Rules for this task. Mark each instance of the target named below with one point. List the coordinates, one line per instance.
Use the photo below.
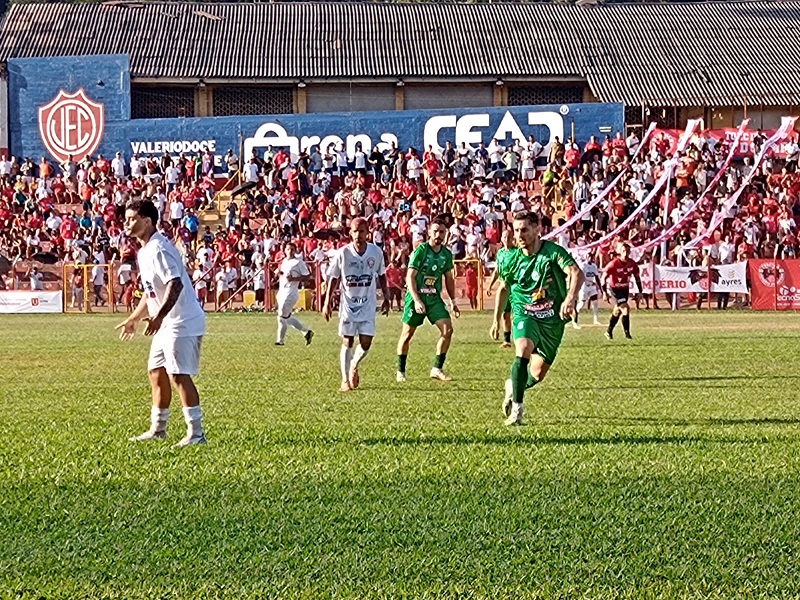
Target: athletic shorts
(587, 293)
(546, 337)
(620, 294)
(356, 328)
(286, 302)
(177, 355)
(434, 311)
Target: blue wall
(35, 82)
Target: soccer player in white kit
(360, 267)
(176, 322)
(292, 272)
(590, 292)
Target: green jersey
(538, 283)
(502, 256)
(431, 267)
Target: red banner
(774, 284)
(670, 139)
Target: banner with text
(722, 278)
(775, 284)
(31, 302)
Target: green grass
(674, 477)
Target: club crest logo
(34, 302)
(771, 274)
(71, 124)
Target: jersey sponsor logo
(71, 124)
(429, 285)
(358, 280)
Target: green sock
(401, 362)
(507, 337)
(519, 377)
(531, 382)
(439, 362)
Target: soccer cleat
(508, 398)
(505, 345)
(515, 418)
(575, 325)
(609, 335)
(597, 322)
(354, 379)
(191, 440)
(437, 373)
(628, 336)
(309, 335)
(279, 343)
(401, 377)
(149, 436)
(345, 387)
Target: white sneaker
(508, 398)
(597, 322)
(575, 325)
(440, 375)
(190, 440)
(401, 377)
(515, 418)
(149, 436)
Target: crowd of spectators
(72, 212)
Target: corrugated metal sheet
(715, 53)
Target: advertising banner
(31, 302)
(82, 105)
(723, 278)
(775, 284)
(667, 139)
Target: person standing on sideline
(589, 293)
(292, 272)
(176, 322)
(429, 264)
(358, 268)
(542, 280)
(616, 281)
(502, 255)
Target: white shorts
(587, 292)
(178, 356)
(356, 328)
(286, 302)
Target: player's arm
(171, 295)
(326, 306)
(450, 284)
(492, 281)
(386, 306)
(638, 280)
(411, 286)
(128, 326)
(500, 301)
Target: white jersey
(293, 267)
(590, 272)
(159, 263)
(358, 276)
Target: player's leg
(439, 316)
(287, 319)
(515, 385)
(345, 360)
(625, 311)
(620, 297)
(402, 349)
(161, 392)
(365, 334)
(506, 330)
(594, 301)
(445, 327)
(182, 363)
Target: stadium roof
(716, 53)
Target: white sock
(579, 306)
(282, 327)
(596, 310)
(359, 355)
(194, 420)
(158, 419)
(345, 356)
(294, 322)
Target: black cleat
(609, 335)
(628, 336)
(309, 335)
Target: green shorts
(434, 311)
(545, 336)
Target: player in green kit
(542, 280)
(502, 255)
(429, 264)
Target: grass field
(678, 477)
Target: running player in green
(429, 264)
(502, 255)
(542, 280)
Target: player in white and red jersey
(589, 294)
(616, 282)
(292, 271)
(359, 268)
